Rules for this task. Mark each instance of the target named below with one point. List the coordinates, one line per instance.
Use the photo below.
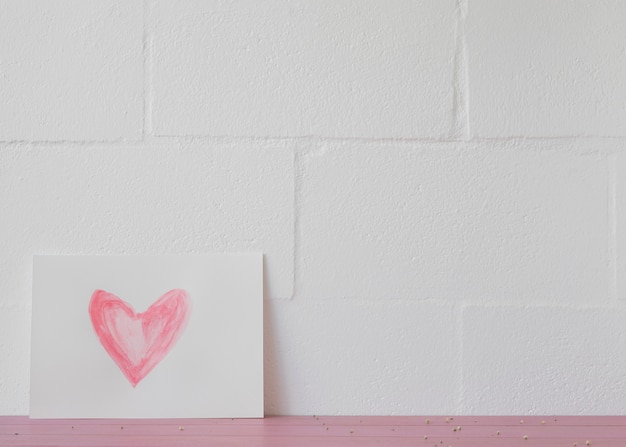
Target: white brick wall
(354, 357)
(545, 68)
(521, 222)
(365, 69)
(438, 186)
(545, 360)
(71, 70)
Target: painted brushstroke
(138, 342)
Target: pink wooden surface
(310, 431)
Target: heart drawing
(137, 342)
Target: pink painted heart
(137, 342)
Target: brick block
(71, 70)
(549, 360)
(542, 68)
(360, 358)
(504, 222)
(15, 355)
(298, 68)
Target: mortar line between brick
(294, 241)
(70, 143)
(296, 226)
(321, 139)
(223, 138)
(460, 121)
(458, 309)
(611, 160)
(147, 73)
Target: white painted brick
(15, 355)
(360, 358)
(291, 68)
(503, 222)
(547, 68)
(171, 198)
(71, 70)
(543, 361)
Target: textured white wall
(438, 186)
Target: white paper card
(147, 336)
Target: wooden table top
(313, 431)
